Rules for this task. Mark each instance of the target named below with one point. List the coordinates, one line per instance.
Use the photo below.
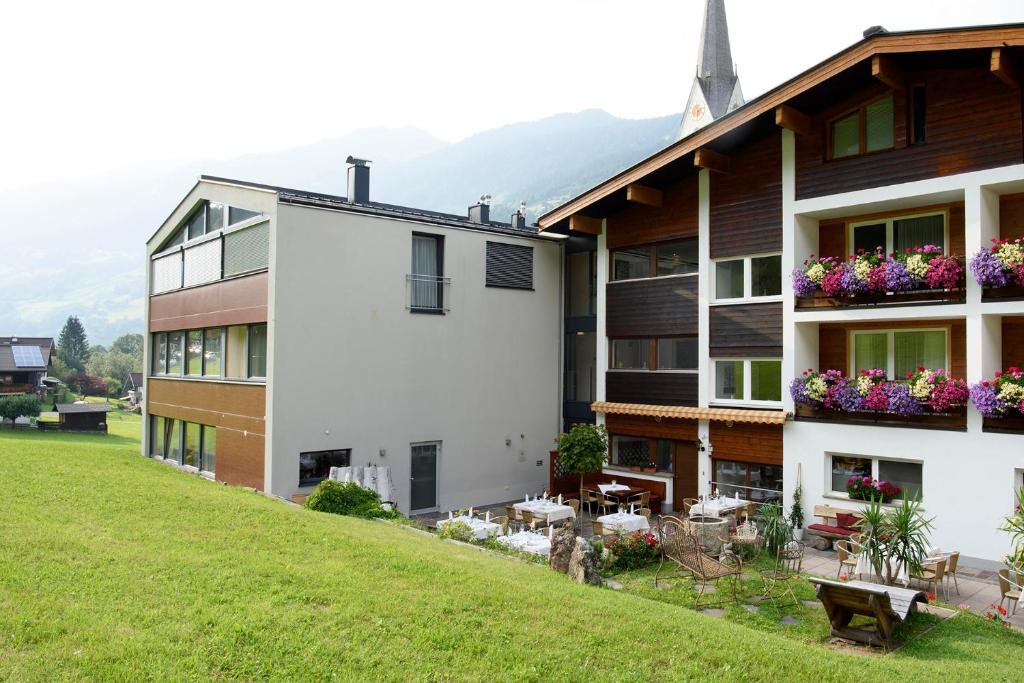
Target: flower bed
(1000, 269)
(928, 397)
(919, 275)
(1001, 401)
(866, 488)
(634, 550)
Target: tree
(73, 345)
(19, 405)
(130, 344)
(583, 449)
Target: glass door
(423, 476)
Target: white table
(612, 488)
(624, 522)
(528, 541)
(481, 529)
(718, 507)
(548, 510)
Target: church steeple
(716, 86)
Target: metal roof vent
(874, 31)
(481, 211)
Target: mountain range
(79, 247)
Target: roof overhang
(770, 417)
(950, 39)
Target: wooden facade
(655, 388)
(1013, 342)
(750, 330)
(657, 307)
(1011, 216)
(642, 224)
(746, 442)
(235, 301)
(746, 202)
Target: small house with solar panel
(24, 362)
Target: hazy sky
(94, 86)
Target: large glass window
(751, 481)
(194, 353)
(315, 466)
(844, 467)
(209, 460)
(766, 276)
(899, 351)
(750, 277)
(157, 437)
(677, 353)
(748, 381)
(869, 129)
(908, 476)
(236, 364)
(628, 264)
(729, 381)
(237, 215)
(214, 216)
(899, 234)
(629, 354)
(669, 258)
(580, 366)
(197, 225)
(905, 475)
(580, 284)
(258, 350)
(172, 429)
(175, 352)
(159, 353)
(765, 380)
(212, 352)
(729, 279)
(193, 436)
(426, 288)
(677, 258)
(631, 451)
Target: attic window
(867, 129)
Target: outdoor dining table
(548, 510)
(624, 522)
(718, 507)
(620, 492)
(481, 528)
(528, 541)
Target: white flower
(861, 269)
(816, 388)
(1010, 254)
(816, 272)
(922, 388)
(864, 385)
(917, 266)
(1011, 393)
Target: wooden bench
(828, 530)
(888, 605)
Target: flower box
(1001, 401)
(914, 297)
(1007, 293)
(1006, 424)
(956, 420)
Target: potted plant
(774, 527)
(894, 538)
(796, 513)
(650, 467)
(583, 449)
(1014, 524)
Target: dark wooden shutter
(509, 265)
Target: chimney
(358, 180)
(874, 30)
(481, 211)
(519, 217)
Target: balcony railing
(224, 254)
(427, 293)
(6, 389)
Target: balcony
(427, 294)
(953, 420)
(235, 251)
(8, 389)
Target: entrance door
(423, 476)
(685, 469)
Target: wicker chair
(954, 558)
(679, 545)
(641, 500)
(779, 580)
(847, 557)
(1009, 590)
(502, 522)
(511, 513)
(644, 512)
(597, 528)
(588, 498)
(932, 575)
(689, 503)
(575, 505)
(606, 503)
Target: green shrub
(457, 531)
(634, 550)
(774, 527)
(346, 499)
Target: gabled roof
(8, 363)
(895, 42)
(83, 408)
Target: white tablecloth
(718, 507)
(481, 529)
(547, 509)
(623, 522)
(612, 488)
(528, 541)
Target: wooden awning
(773, 417)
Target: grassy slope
(114, 566)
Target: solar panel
(27, 356)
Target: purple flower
(901, 402)
(988, 270)
(897, 279)
(986, 401)
(799, 392)
(849, 282)
(802, 285)
(847, 397)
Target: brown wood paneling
(238, 412)
(655, 388)
(1011, 216)
(833, 342)
(746, 203)
(1013, 342)
(746, 330)
(973, 123)
(746, 442)
(640, 224)
(636, 425)
(235, 301)
(650, 308)
(831, 239)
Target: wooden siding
(633, 425)
(966, 130)
(641, 224)
(746, 330)
(1011, 216)
(649, 308)
(746, 203)
(746, 442)
(237, 410)
(235, 301)
(834, 234)
(657, 388)
(834, 342)
(1013, 342)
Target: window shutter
(509, 265)
(247, 249)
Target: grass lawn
(113, 566)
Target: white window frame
(746, 400)
(747, 297)
(890, 351)
(874, 471)
(890, 230)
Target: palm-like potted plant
(1014, 524)
(895, 538)
(774, 527)
(583, 449)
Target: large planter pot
(1008, 293)
(917, 296)
(798, 534)
(1012, 423)
(710, 531)
(953, 421)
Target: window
(580, 284)
(757, 381)
(193, 436)
(194, 353)
(669, 258)
(426, 282)
(172, 437)
(197, 225)
(156, 437)
(159, 353)
(235, 365)
(900, 234)
(868, 129)
(629, 354)
(677, 353)
(209, 217)
(209, 450)
(580, 366)
(758, 483)
(638, 451)
(214, 216)
(236, 215)
(905, 474)
(509, 266)
(750, 277)
(258, 350)
(899, 351)
(212, 352)
(175, 352)
(199, 444)
(315, 466)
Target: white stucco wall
(353, 368)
